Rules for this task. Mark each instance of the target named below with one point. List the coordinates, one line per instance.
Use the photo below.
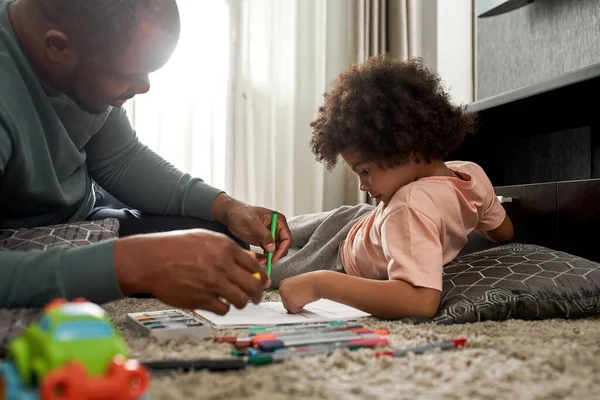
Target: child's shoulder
(420, 195)
(466, 167)
(434, 193)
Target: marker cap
(260, 359)
(270, 345)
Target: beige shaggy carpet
(550, 359)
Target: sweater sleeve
(5, 149)
(33, 278)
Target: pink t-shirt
(424, 227)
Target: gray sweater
(50, 152)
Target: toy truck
(73, 352)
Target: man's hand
(194, 269)
(298, 291)
(251, 224)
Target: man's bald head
(99, 52)
(107, 25)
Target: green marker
(273, 233)
(269, 358)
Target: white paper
(273, 313)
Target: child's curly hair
(389, 112)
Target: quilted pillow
(518, 281)
(73, 234)
(12, 323)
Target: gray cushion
(518, 281)
(12, 323)
(73, 234)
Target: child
(393, 125)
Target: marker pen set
(169, 324)
(252, 356)
(268, 345)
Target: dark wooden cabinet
(578, 217)
(540, 145)
(533, 212)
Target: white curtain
(234, 104)
(405, 28)
(286, 54)
(183, 117)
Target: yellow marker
(256, 275)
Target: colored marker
(245, 352)
(298, 331)
(309, 334)
(256, 329)
(422, 349)
(263, 359)
(293, 336)
(194, 365)
(356, 344)
(231, 339)
(268, 358)
(238, 342)
(273, 233)
(272, 345)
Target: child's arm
(410, 243)
(502, 234)
(390, 299)
(494, 224)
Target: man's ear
(59, 50)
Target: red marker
(452, 344)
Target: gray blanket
(317, 238)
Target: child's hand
(298, 291)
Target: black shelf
(545, 132)
(548, 85)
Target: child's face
(381, 183)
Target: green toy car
(72, 331)
(74, 352)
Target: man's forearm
(33, 278)
(389, 299)
(147, 182)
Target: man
(66, 68)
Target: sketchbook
(273, 313)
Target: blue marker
(305, 331)
(282, 327)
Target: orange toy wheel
(66, 383)
(124, 380)
(130, 376)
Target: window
(183, 117)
